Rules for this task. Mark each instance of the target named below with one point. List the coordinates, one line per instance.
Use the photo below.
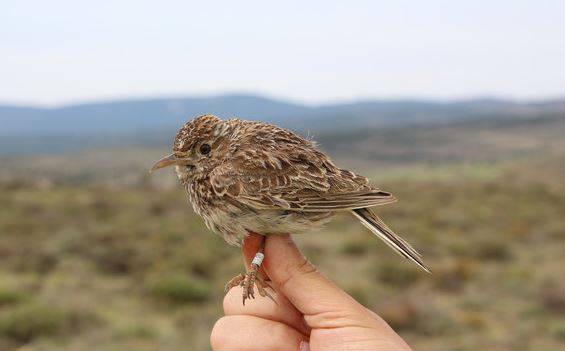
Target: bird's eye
(205, 149)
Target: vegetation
(92, 266)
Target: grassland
(102, 266)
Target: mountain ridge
(130, 115)
(153, 121)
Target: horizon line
(242, 93)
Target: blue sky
(55, 52)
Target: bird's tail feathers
(380, 229)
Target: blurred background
(458, 108)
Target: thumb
(308, 290)
(323, 304)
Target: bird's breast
(200, 196)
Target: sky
(59, 52)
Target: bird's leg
(252, 278)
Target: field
(94, 264)
(455, 108)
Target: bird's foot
(235, 281)
(251, 280)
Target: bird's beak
(164, 162)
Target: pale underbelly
(234, 226)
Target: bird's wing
(280, 170)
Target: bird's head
(199, 146)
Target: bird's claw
(235, 281)
(248, 282)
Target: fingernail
(304, 346)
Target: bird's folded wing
(320, 203)
(311, 185)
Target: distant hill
(135, 115)
(153, 121)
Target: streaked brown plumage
(244, 176)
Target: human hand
(311, 313)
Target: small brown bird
(247, 177)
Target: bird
(249, 177)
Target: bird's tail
(380, 229)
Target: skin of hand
(311, 313)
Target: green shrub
(27, 322)
(494, 251)
(354, 247)
(180, 289)
(10, 297)
(398, 274)
(137, 332)
(558, 330)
